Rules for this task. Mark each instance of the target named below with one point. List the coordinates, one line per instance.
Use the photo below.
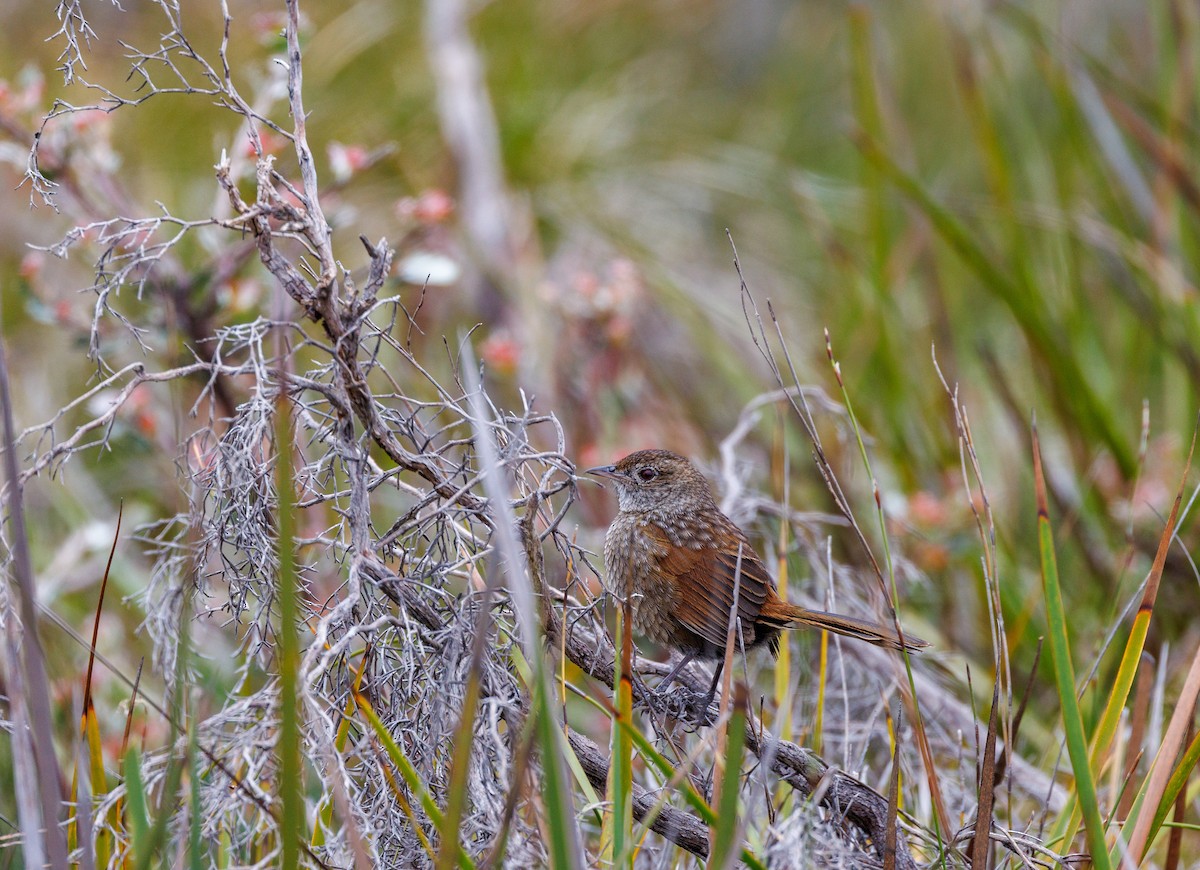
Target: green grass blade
(618, 824)
(1141, 624)
(195, 814)
(727, 830)
(783, 662)
(409, 773)
(869, 115)
(90, 725)
(460, 765)
(137, 817)
(168, 806)
(1064, 672)
(405, 805)
(563, 848)
(97, 776)
(291, 771)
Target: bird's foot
(700, 706)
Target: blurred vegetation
(1008, 185)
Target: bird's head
(656, 480)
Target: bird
(675, 555)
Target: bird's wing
(704, 581)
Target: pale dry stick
(322, 302)
(294, 226)
(359, 849)
(1152, 738)
(681, 828)
(129, 257)
(1143, 447)
(202, 748)
(36, 695)
(1024, 846)
(986, 527)
(89, 189)
(26, 793)
(405, 353)
(957, 715)
(520, 560)
(677, 826)
(316, 229)
(831, 598)
(322, 651)
(319, 306)
(403, 592)
(469, 126)
(322, 305)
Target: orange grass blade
(1134, 646)
(89, 726)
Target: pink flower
(431, 207)
(345, 160)
(501, 352)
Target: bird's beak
(605, 471)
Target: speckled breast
(630, 569)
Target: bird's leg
(712, 690)
(679, 666)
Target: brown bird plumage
(676, 554)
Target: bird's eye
(646, 474)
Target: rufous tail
(783, 615)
